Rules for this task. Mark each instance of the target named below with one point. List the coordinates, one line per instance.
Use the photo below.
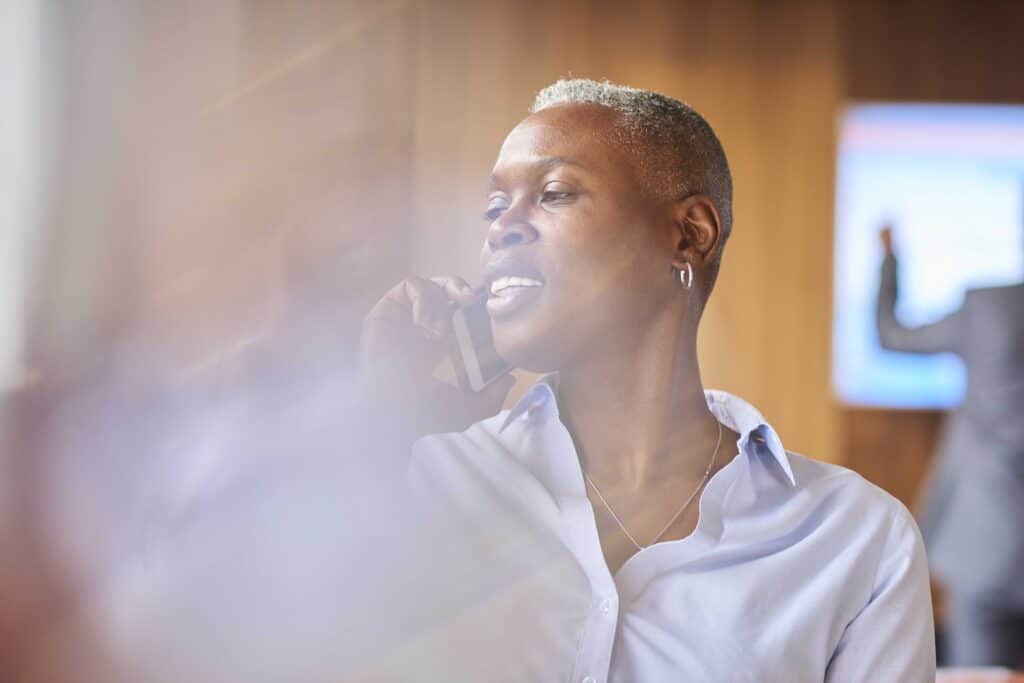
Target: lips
(507, 284)
(512, 284)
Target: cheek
(614, 265)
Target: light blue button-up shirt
(797, 570)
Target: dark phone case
(458, 361)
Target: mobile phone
(476, 362)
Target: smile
(509, 294)
(507, 286)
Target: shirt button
(589, 679)
(605, 606)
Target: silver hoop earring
(686, 275)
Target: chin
(530, 345)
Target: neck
(638, 412)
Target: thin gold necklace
(672, 521)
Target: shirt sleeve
(937, 337)
(893, 636)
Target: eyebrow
(544, 164)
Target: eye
(556, 192)
(555, 196)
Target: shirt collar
(755, 434)
(732, 411)
(538, 398)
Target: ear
(698, 231)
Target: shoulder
(862, 511)
(860, 535)
(446, 459)
(874, 566)
(850, 488)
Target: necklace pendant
(679, 512)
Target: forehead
(589, 135)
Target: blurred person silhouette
(620, 523)
(972, 516)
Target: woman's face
(577, 258)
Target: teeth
(507, 281)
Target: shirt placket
(579, 533)
(593, 659)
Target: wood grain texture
(957, 50)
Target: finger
(457, 289)
(394, 303)
(429, 305)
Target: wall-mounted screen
(950, 180)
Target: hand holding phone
(406, 335)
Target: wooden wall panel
(959, 50)
(891, 448)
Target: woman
(621, 523)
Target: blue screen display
(950, 180)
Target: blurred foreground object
(205, 195)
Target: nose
(509, 231)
